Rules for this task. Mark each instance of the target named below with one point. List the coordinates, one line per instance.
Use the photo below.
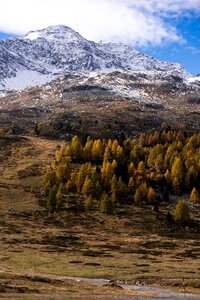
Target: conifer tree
(141, 193)
(141, 168)
(106, 205)
(68, 151)
(159, 166)
(131, 185)
(194, 196)
(114, 164)
(114, 147)
(152, 157)
(120, 153)
(136, 153)
(177, 169)
(107, 154)
(87, 150)
(89, 202)
(59, 195)
(107, 172)
(87, 186)
(76, 148)
(85, 170)
(114, 198)
(114, 183)
(151, 196)
(177, 175)
(121, 188)
(48, 180)
(142, 139)
(109, 144)
(69, 186)
(63, 172)
(51, 201)
(131, 169)
(190, 177)
(181, 212)
(167, 177)
(95, 176)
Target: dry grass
(131, 245)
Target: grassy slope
(131, 245)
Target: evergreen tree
(87, 186)
(106, 205)
(159, 166)
(190, 177)
(63, 172)
(76, 148)
(69, 186)
(107, 154)
(114, 147)
(51, 201)
(177, 175)
(59, 195)
(141, 193)
(48, 181)
(97, 150)
(181, 212)
(194, 196)
(114, 164)
(89, 202)
(141, 168)
(151, 196)
(131, 185)
(114, 198)
(167, 177)
(121, 188)
(87, 150)
(131, 169)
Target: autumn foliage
(140, 170)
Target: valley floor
(39, 252)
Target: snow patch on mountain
(194, 79)
(32, 35)
(27, 78)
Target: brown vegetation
(135, 243)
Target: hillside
(133, 246)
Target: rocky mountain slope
(68, 84)
(42, 55)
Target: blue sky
(187, 52)
(166, 29)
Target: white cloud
(140, 22)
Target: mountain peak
(59, 50)
(53, 32)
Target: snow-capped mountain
(44, 54)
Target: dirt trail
(138, 292)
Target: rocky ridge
(45, 54)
